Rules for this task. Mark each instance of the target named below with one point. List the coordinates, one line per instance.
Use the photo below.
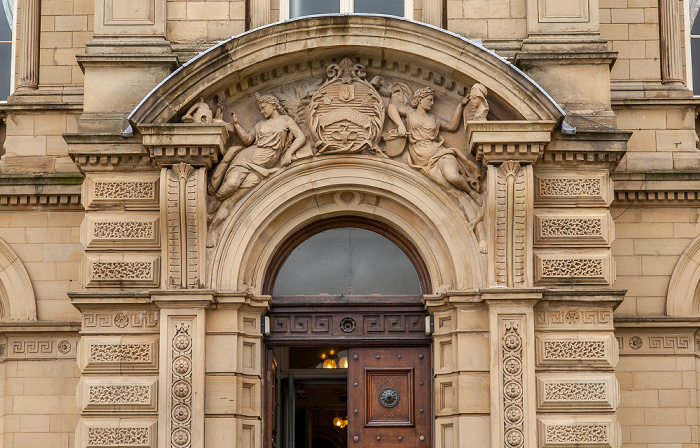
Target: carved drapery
(28, 68)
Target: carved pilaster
(28, 68)
(260, 13)
(670, 36)
(513, 398)
(184, 219)
(181, 396)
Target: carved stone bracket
(196, 144)
(499, 141)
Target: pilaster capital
(495, 142)
(196, 144)
(510, 297)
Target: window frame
(347, 7)
(687, 25)
(13, 51)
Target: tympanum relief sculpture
(345, 115)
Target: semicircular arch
(683, 298)
(17, 301)
(359, 187)
(258, 59)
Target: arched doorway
(348, 357)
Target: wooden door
(271, 404)
(389, 397)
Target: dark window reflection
(389, 7)
(299, 8)
(348, 261)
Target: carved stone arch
(259, 59)
(360, 186)
(683, 297)
(17, 300)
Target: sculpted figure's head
(478, 91)
(423, 97)
(268, 104)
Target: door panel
(271, 405)
(389, 397)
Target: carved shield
(346, 114)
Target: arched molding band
(683, 298)
(382, 190)
(16, 292)
(274, 51)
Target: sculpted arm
(395, 113)
(297, 143)
(248, 138)
(453, 124)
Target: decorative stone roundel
(347, 325)
(182, 342)
(511, 342)
(389, 397)
(636, 342)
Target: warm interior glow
(340, 422)
(343, 363)
(329, 364)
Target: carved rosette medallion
(181, 389)
(346, 114)
(513, 411)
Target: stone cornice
(600, 147)
(657, 188)
(46, 191)
(107, 152)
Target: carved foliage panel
(124, 191)
(582, 267)
(118, 354)
(594, 432)
(585, 350)
(573, 189)
(569, 227)
(118, 395)
(569, 393)
(113, 231)
(121, 270)
(116, 432)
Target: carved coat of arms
(346, 114)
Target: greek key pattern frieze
(181, 388)
(120, 321)
(656, 343)
(41, 348)
(513, 387)
(573, 319)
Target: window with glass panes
(694, 62)
(291, 9)
(6, 28)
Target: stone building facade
(534, 163)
